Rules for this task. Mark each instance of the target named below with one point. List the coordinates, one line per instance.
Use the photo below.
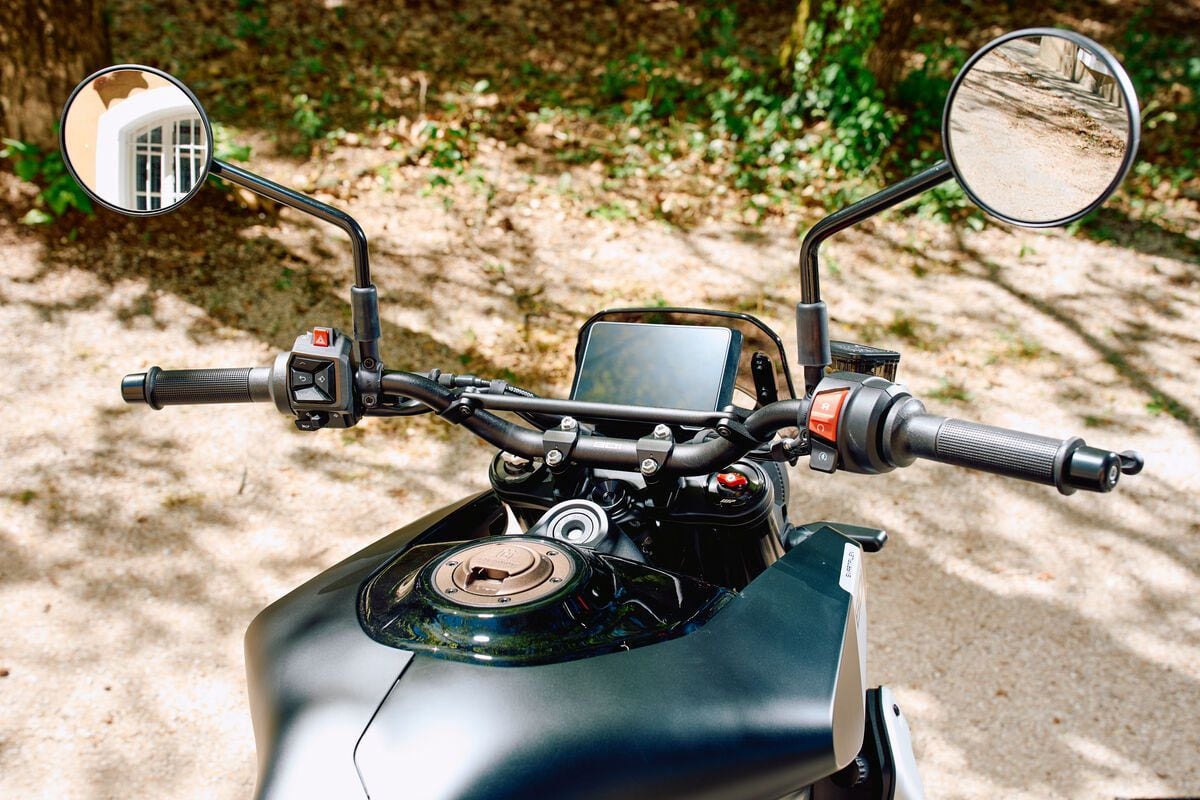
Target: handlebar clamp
(557, 446)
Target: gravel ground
(1041, 646)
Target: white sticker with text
(848, 578)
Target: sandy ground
(1041, 646)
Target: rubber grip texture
(999, 450)
(196, 386)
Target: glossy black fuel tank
(763, 698)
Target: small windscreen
(670, 366)
(762, 372)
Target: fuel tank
(740, 695)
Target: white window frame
(116, 133)
(170, 154)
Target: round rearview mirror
(136, 140)
(1040, 127)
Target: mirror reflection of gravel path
(1024, 143)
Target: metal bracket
(368, 382)
(652, 454)
(736, 432)
(562, 442)
(459, 410)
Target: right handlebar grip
(1067, 464)
(158, 387)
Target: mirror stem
(364, 300)
(812, 318)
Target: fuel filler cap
(500, 572)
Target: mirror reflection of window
(164, 159)
(151, 149)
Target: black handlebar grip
(157, 387)
(1067, 464)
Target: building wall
(105, 92)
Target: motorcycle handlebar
(158, 387)
(908, 432)
(687, 458)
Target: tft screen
(669, 366)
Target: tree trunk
(794, 43)
(883, 59)
(881, 27)
(46, 48)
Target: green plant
(225, 148)
(307, 118)
(829, 73)
(252, 22)
(615, 210)
(447, 147)
(922, 94)
(59, 191)
(643, 89)
(1165, 71)
(1172, 407)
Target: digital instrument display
(692, 367)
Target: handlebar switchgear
(315, 380)
(865, 424)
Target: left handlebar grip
(158, 387)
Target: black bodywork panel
(764, 698)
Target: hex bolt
(662, 432)
(649, 466)
(503, 599)
(551, 552)
(554, 458)
(568, 424)
(451, 563)
(556, 580)
(451, 590)
(369, 399)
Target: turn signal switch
(314, 381)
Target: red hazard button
(824, 412)
(322, 337)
